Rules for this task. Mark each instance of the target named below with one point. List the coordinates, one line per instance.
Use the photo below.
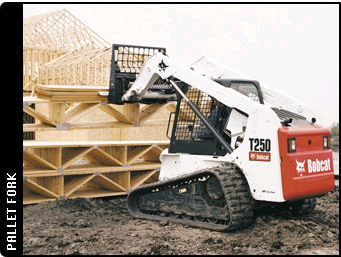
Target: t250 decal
(259, 149)
(260, 145)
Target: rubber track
(239, 201)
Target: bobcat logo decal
(300, 166)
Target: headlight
(326, 142)
(291, 145)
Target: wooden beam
(91, 168)
(80, 110)
(73, 88)
(118, 152)
(116, 114)
(153, 154)
(52, 154)
(138, 179)
(123, 178)
(94, 125)
(58, 157)
(148, 110)
(68, 97)
(108, 183)
(76, 183)
(35, 187)
(37, 161)
(95, 194)
(131, 111)
(39, 116)
(57, 112)
(104, 157)
(75, 156)
(137, 152)
(72, 144)
(27, 99)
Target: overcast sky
(293, 48)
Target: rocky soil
(104, 226)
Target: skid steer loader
(233, 145)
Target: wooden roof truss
(84, 66)
(59, 30)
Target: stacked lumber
(60, 170)
(72, 93)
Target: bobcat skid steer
(233, 144)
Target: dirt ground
(104, 226)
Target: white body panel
(264, 177)
(235, 125)
(176, 164)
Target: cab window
(247, 89)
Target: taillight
(291, 145)
(326, 142)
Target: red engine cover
(308, 171)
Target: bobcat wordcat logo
(313, 166)
(300, 166)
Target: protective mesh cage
(127, 62)
(131, 58)
(189, 126)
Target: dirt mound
(104, 226)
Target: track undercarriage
(216, 198)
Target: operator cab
(190, 135)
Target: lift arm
(162, 66)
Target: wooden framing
(69, 93)
(59, 170)
(59, 30)
(66, 70)
(33, 58)
(50, 36)
(64, 117)
(68, 64)
(84, 66)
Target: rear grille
(284, 114)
